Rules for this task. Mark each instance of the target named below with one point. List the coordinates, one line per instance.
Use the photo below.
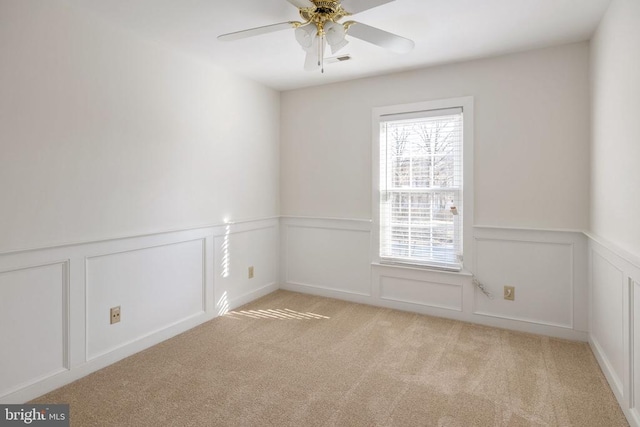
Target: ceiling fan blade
(301, 3)
(256, 31)
(380, 38)
(357, 6)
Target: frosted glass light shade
(305, 35)
(335, 34)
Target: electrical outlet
(510, 293)
(251, 272)
(114, 315)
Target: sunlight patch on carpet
(223, 305)
(279, 314)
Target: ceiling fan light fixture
(306, 34)
(335, 34)
(336, 47)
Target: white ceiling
(444, 31)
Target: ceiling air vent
(340, 58)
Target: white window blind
(421, 188)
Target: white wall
(615, 199)
(614, 255)
(531, 138)
(105, 135)
(531, 182)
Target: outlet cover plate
(114, 315)
(510, 293)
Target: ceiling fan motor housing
(323, 11)
(330, 5)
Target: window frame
(466, 103)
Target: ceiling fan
(321, 26)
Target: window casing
(421, 162)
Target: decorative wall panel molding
(634, 346)
(323, 256)
(607, 310)
(429, 294)
(543, 295)
(614, 320)
(332, 257)
(34, 315)
(165, 284)
(154, 287)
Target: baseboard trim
(327, 292)
(252, 296)
(530, 321)
(326, 289)
(633, 417)
(613, 381)
(514, 325)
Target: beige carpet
(297, 360)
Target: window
(420, 192)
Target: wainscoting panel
(154, 288)
(167, 283)
(541, 272)
(614, 321)
(235, 252)
(324, 255)
(607, 321)
(437, 295)
(547, 268)
(332, 257)
(34, 332)
(634, 397)
(55, 302)
(432, 292)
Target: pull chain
(322, 55)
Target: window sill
(416, 267)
